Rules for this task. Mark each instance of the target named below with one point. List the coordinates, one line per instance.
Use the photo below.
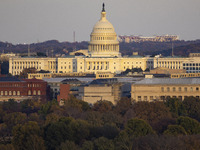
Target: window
(162, 89)
(191, 89)
(1, 92)
(145, 98)
(14, 92)
(34, 92)
(6, 93)
(151, 98)
(185, 89)
(168, 89)
(29, 92)
(197, 89)
(179, 89)
(18, 92)
(10, 92)
(174, 89)
(139, 98)
(39, 93)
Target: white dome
(103, 25)
(103, 39)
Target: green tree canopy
(138, 127)
(175, 130)
(28, 136)
(190, 125)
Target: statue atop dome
(103, 9)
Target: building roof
(33, 80)
(104, 81)
(168, 81)
(71, 81)
(9, 79)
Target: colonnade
(97, 65)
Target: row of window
(10, 93)
(179, 89)
(151, 98)
(34, 92)
(13, 93)
(34, 85)
(26, 62)
(191, 68)
(189, 64)
(104, 76)
(65, 67)
(23, 67)
(10, 85)
(169, 62)
(133, 62)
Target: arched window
(34, 92)
(29, 92)
(18, 92)
(14, 92)
(39, 93)
(10, 92)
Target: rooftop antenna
(74, 40)
(28, 50)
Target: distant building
(13, 88)
(164, 38)
(64, 93)
(161, 89)
(101, 89)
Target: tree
(7, 147)
(190, 125)
(68, 145)
(192, 106)
(13, 119)
(87, 145)
(138, 127)
(80, 130)
(28, 136)
(103, 143)
(10, 106)
(58, 132)
(46, 108)
(176, 106)
(103, 106)
(123, 105)
(155, 113)
(175, 130)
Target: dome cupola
(103, 39)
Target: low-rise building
(13, 88)
(163, 88)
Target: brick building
(13, 88)
(64, 93)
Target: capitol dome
(103, 39)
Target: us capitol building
(102, 56)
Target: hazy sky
(30, 21)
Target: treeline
(32, 125)
(181, 48)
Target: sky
(32, 21)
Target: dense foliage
(34, 125)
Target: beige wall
(92, 94)
(158, 92)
